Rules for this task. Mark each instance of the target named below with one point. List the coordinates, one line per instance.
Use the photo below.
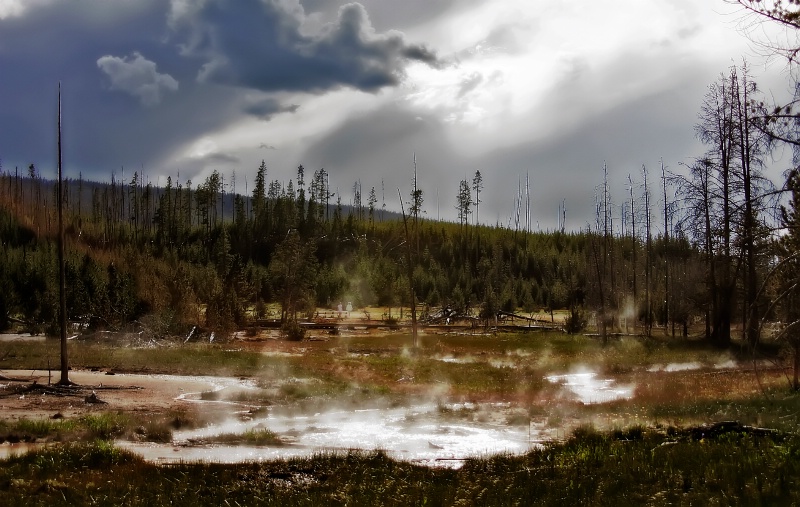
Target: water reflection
(423, 433)
(433, 433)
(8, 449)
(670, 367)
(21, 337)
(588, 388)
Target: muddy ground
(619, 396)
(26, 393)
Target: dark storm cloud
(106, 53)
(268, 107)
(103, 129)
(132, 98)
(261, 44)
(219, 159)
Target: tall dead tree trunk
(648, 268)
(410, 271)
(666, 254)
(61, 271)
(634, 247)
(746, 154)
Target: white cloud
(137, 76)
(519, 59)
(9, 8)
(16, 8)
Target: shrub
(105, 426)
(576, 321)
(291, 330)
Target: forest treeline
(699, 250)
(134, 250)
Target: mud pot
(441, 429)
(430, 433)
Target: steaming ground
(423, 433)
(458, 397)
(589, 388)
(438, 433)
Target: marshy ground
(453, 398)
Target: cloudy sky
(512, 88)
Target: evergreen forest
(710, 251)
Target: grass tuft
(254, 436)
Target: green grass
(189, 359)
(104, 426)
(632, 467)
(541, 350)
(28, 430)
(254, 436)
(779, 410)
(636, 462)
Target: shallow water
(588, 388)
(21, 337)
(419, 433)
(7, 449)
(428, 433)
(455, 360)
(432, 433)
(722, 364)
(670, 367)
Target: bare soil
(26, 394)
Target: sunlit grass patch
(173, 358)
(296, 391)
(27, 430)
(779, 409)
(624, 467)
(43, 427)
(253, 436)
(106, 425)
(97, 426)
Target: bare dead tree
(756, 15)
(648, 270)
(61, 269)
(666, 253)
(410, 271)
